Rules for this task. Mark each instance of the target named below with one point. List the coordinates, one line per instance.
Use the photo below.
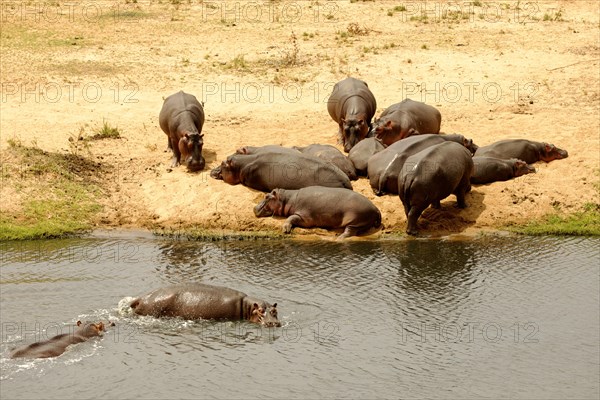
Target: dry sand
(264, 71)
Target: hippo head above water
(550, 152)
(190, 146)
(353, 131)
(264, 314)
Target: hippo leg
(460, 199)
(176, 154)
(463, 188)
(293, 220)
(349, 231)
(412, 217)
(436, 204)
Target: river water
(495, 317)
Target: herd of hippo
(402, 152)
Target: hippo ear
(255, 306)
(388, 124)
(547, 147)
(274, 305)
(78, 323)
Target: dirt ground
(264, 69)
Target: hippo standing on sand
(430, 176)
(522, 149)
(352, 105)
(200, 301)
(385, 167)
(405, 119)
(321, 207)
(489, 169)
(57, 345)
(268, 171)
(332, 155)
(360, 154)
(181, 118)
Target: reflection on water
(510, 317)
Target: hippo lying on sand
(270, 148)
(57, 345)
(405, 119)
(489, 169)
(522, 149)
(432, 175)
(327, 152)
(181, 118)
(268, 171)
(321, 207)
(360, 154)
(201, 301)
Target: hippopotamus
(57, 345)
(430, 176)
(360, 154)
(490, 169)
(352, 105)
(321, 207)
(332, 155)
(405, 119)
(268, 171)
(270, 148)
(522, 149)
(194, 301)
(385, 166)
(181, 118)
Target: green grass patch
(106, 131)
(57, 193)
(583, 223)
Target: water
(488, 318)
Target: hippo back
(359, 155)
(191, 301)
(345, 89)
(385, 166)
(332, 155)
(268, 171)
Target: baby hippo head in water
(265, 314)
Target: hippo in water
(201, 301)
(385, 167)
(57, 345)
(181, 118)
(360, 154)
(522, 149)
(430, 176)
(268, 171)
(405, 119)
(352, 105)
(321, 207)
(327, 152)
(489, 169)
